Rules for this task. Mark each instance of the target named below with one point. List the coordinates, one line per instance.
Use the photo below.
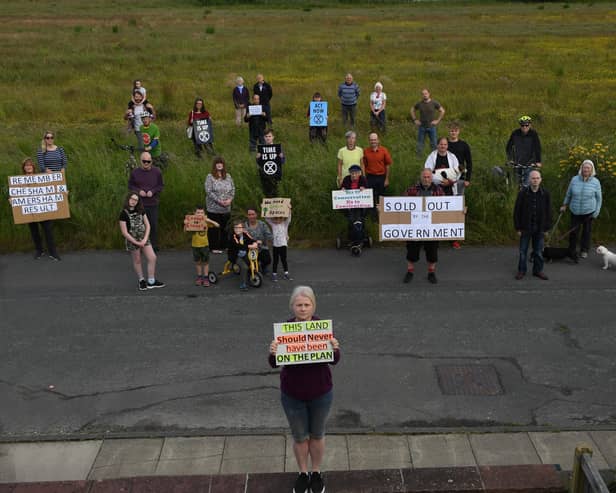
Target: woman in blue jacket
(584, 200)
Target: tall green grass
(68, 66)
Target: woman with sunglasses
(50, 157)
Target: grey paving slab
(192, 448)
(246, 454)
(194, 455)
(559, 448)
(606, 441)
(49, 461)
(503, 449)
(336, 454)
(450, 450)
(127, 457)
(146, 468)
(378, 452)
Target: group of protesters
(306, 389)
(449, 163)
(450, 167)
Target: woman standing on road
(50, 157)
(306, 395)
(135, 229)
(220, 192)
(27, 166)
(584, 200)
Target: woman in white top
(378, 101)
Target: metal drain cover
(468, 380)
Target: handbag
(189, 130)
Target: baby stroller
(357, 235)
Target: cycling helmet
(525, 119)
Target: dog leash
(566, 232)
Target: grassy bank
(68, 66)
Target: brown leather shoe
(541, 275)
(519, 275)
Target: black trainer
(408, 277)
(302, 483)
(156, 284)
(143, 285)
(316, 483)
(432, 277)
(38, 254)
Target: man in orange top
(377, 161)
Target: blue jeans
(307, 418)
(421, 137)
(537, 239)
(523, 176)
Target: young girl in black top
(135, 228)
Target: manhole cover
(468, 380)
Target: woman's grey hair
(305, 291)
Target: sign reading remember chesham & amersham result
(38, 197)
(304, 342)
(422, 218)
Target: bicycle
(255, 278)
(131, 161)
(510, 169)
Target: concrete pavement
(242, 454)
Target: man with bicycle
(524, 149)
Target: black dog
(555, 253)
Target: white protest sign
(352, 199)
(255, 109)
(304, 342)
(422, 218)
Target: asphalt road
(185, 359)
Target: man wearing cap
(147, 182)
(524, 148)
(151, 137)
(425, 188)
(377, 161)
(349, 154)
(430, 115)
(348, 92)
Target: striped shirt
(348, 93)
(54, 160)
